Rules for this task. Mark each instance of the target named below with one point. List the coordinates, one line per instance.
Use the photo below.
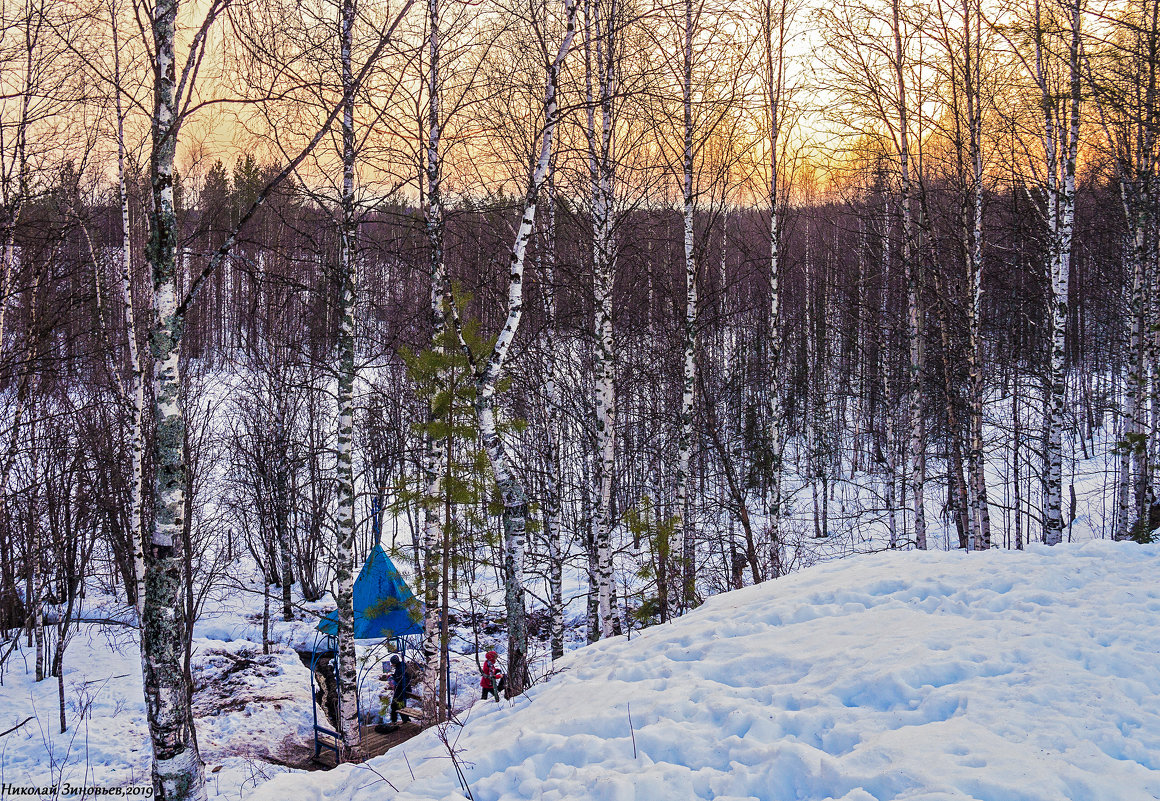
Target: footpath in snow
(1003, 676)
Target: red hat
(492, 655)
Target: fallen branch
(94, 681)
(17, 726)
(103, 621)
(632, 731)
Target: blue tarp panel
(384, 605)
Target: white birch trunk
(177, 767)
(1062, 179)
(685, 439)
(981, 512)
(884, 348)
(511, 490)
(1152, 319)
(347, 669)
(1016, 468)
(602, 32)
(434, 457)
(36, 582)
(553, 523)
(775, 74)
(1131, 453)
(917, 442)
(1138, 371)
(136, 368)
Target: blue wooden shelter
(384, 605)
(384, 608)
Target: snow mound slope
(1001, 676)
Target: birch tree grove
(1125, 95)
(178, 771)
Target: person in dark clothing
(401, 687)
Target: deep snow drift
(1001, 676)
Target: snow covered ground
(1000, 676)
(252, 712)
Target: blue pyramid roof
(384, 605)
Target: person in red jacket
(492, 679)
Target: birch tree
(553, 520)
(700, 140)
(1060, 138)
(177, 766)
(349, 722)
(1125, 93)
(178, 771)
(972, 50)
(434, 623)
(913, 287)
(775, 21)
(688, 396)
(136, 366)
(601, 22)
(511, 488)
(960, 34)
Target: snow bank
(1003, 676)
